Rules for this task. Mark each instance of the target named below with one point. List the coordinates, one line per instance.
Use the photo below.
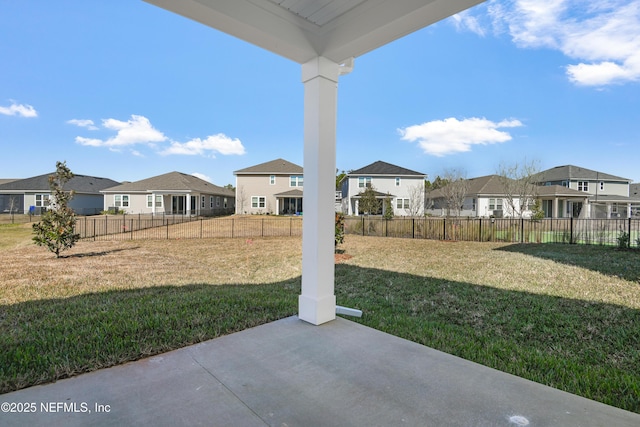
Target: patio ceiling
(301, 30)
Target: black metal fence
(136, 227)
(516, 230)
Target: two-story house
(273, 188)
(403, 186)
(607, 195)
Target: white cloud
(601, 36)
(466, 20)
(19, 110)
(88, 124)
(202, 176)
(213, 144)
(137, 130)
(449, 136)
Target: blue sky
(125, 90)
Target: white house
(403, 186)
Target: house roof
(274, 167)
(172, 181)
(493, 185)
(572, 173)
(378, 194)
(81, 184)
(290, 193)
(384, 168)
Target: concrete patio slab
(291, 373)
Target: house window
(397, 181)
(217, 201)
(158, 201)
(149, 200)
(583, 185)
(495, 204)
(258, 202)
(272, 180)
(43, 199)
(211, 202)
(225, 202)
(295, 181)
(364, 181)
(121, 200)
(402, 203)
(202, 202)
(614, 208)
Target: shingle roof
(492, 185)
(384, 168)
(274, 167)
(172, 181)
(290, 193)
(81, 184)
(571, 172)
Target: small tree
(369, 203)
(388, 207)
(56, 227)
(339, 236)
(520, 186)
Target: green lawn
(562, 315)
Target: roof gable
(274, 167)
(172, 181)
(384, 168)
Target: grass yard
(562, 315)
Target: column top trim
(320, 67)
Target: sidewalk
(290, 373)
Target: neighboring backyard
(563, 315)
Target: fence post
(629, 230)
(167, 230)
(480, 231)
(131, 228)
(444, 228)
(201, 228)
(413, 228)
(571, 230)
(363, 225)
(521, 230)
(233, 225)
(94, 229)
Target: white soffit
(304, 29)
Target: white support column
(317, 303)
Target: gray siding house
(34, 195)
(608, 196)
(403, 186)
(172, 193)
